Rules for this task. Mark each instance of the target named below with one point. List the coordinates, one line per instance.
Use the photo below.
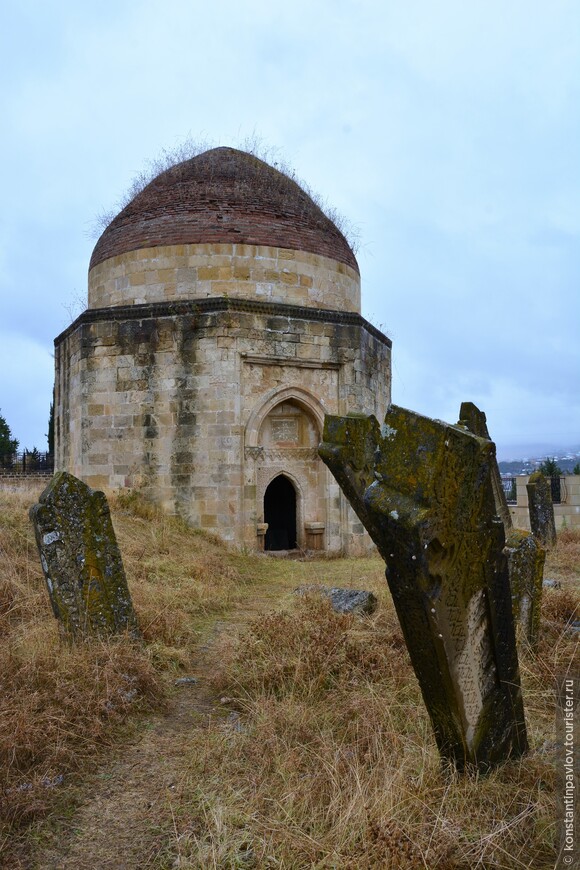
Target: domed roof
(223, 196)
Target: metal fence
(27, 462)
(559, 492)
(510, 489)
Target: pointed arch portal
(280, 514)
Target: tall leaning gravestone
(81, 560)
(423, 490)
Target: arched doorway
(280, 514)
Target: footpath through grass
(304, 742)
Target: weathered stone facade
(203, 369)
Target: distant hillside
(526, 466)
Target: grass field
(311, 748)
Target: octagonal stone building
(223, 323)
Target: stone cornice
(215, 305)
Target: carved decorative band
(285, 453)
(253, 452)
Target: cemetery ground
(302, 743)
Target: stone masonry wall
(173, 398)
(269, 274)
(566, 514)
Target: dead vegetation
(320, 753)
(274, 184)
(332, 762)
(61, 706)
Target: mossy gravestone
(81, 560)
(525, 555)
(526, 571)
(542, 522)
(423, 490)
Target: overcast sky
(447, 132)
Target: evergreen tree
(50, 433)
(8, 444)
(550, 468)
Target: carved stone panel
(285, 429)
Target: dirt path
(125, 819)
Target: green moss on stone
(423, 490)
(81, 561)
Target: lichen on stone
(81, 560)
(424, 493)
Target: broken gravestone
(542, 522)
(81, 560)
(423, 490)
(525, 555)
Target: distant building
(223, 323)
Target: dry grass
(327, 758)
(330, 760)
(177, 575)
(61, 705)
(563, 562)
(58, 705)
(276, 184)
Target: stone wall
(566, 514)
(15, 479)
(180, 399)
(269, 274)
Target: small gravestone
(526, 570)
(542, 522)
(81, 560)
(423, 490)
(525, 555)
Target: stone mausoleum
(223, 323)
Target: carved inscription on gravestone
(81, 560)
(423, 490)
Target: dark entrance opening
(280, 514)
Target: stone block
(355, 601)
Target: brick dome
(223, 196)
